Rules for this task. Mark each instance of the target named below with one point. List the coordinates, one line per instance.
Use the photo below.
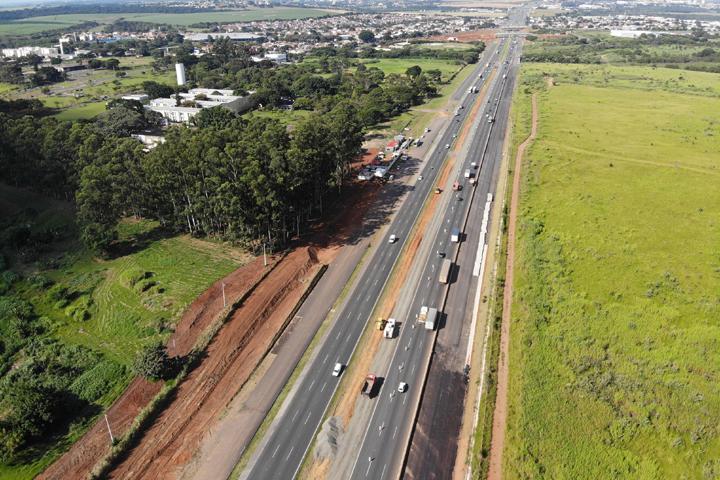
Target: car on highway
(440, 254)
(337, 370)
(392, 239)
(491, 119)
(402, 387)
(427, 130)
(419, 177)
(473, 164)
(447, 146)
(454, 135)
(438, 190)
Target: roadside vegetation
(613, 361)
(698, 51)
(71, 325)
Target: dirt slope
(85, 453)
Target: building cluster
(302, 35)
(45, 52)
(185, 105)
(624, 25)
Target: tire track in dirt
(497, 443)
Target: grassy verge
(613, 354)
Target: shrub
(152, 362)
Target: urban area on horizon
(360, 239)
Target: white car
(392, 239)
(337, 370)
(427, 130)
(454, 135)
(402, 388)
(447, 146)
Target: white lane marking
(413, 369)
(338, 335)
(326, 357)
(347, 339)
(369, 466)
(296, 414)
(404, 399)
(323, 387)
(308, 418)
(395, 431)
(311, 385)
(383, 471)
(290, 452)
(275, 452)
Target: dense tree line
(245, 180)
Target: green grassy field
(83, 111)
(41, 24)
(614, 342)
(400, 65)
(113, 307)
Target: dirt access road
(497, 443)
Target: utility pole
(107, 422)
(223, 292)
(264, 255)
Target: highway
(292, 433)
(385, 441)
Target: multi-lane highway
(291, 435)
(384, 444)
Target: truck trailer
(445, 269)
(389, 331)
(431, 319)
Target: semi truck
(368, 385)
(455, 235)
(389, 331)
(445, 269)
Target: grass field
(614, 343)
(113, 306)
(55, 22)
(400, 65)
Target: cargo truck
(389, 331)
(455, 235)
(431, 319)
(368, 385)
(445, 269)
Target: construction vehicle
(368, 385)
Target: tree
(153, 362)
(34, 60)
(215, 117)
(121, 121)
(414, 71)
(366, 36)
(157, 90)
(112, 63)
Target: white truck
(468, 173)
(389, 331)
(455, 235)
(428, 316)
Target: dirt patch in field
(497, 443)
(95, 444)
(230, 359)
(467, 37)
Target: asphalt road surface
(283, 453)
(384, 445)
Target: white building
(276, 57)
(25, 51)
(180, 73)
(199, 98)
